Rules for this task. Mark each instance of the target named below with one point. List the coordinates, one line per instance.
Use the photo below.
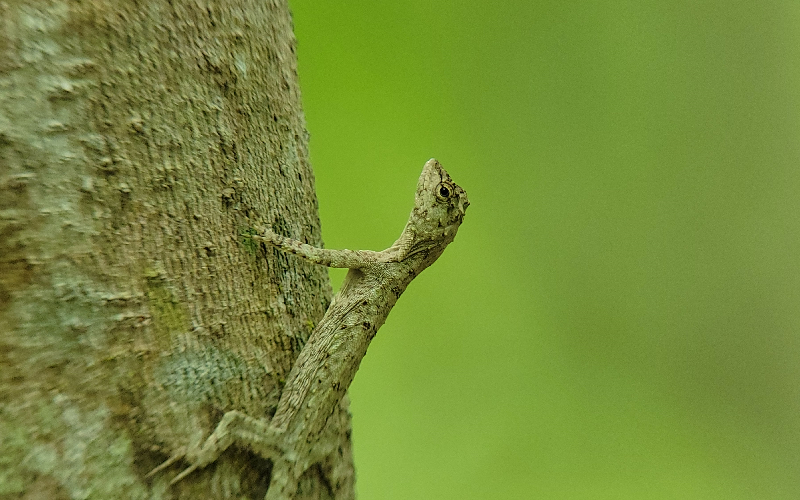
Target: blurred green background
(619, 316)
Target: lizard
(294, 439)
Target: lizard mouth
(464, 199)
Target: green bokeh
(619, 317)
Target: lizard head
(439, 205)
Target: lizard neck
(420, 235)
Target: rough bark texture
(138, 142)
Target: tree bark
(140, 141)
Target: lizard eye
(443, 191)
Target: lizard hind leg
(236, 428)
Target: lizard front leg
(353, 259)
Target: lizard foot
(178, 455)
(234, 426)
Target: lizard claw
(179, 454)
(183, 474)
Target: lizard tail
(283, 484)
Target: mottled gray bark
(138, 142)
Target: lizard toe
(178, 455)
(183, 474)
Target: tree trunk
(139, 144)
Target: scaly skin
(296, 437)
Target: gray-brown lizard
(295, 438)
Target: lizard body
(294, 439)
